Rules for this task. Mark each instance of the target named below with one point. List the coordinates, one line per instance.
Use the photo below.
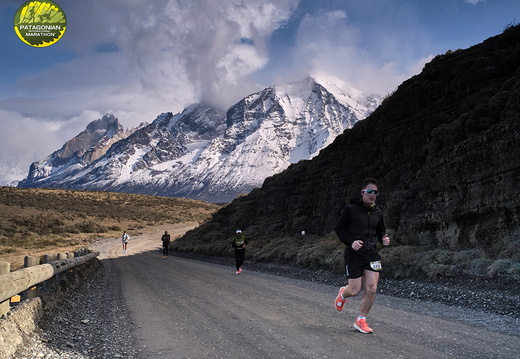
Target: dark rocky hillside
(446, 149)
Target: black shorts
(356, 264)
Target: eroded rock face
(445, 147)
(76, 153)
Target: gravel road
(139, 305)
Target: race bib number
(376, 265)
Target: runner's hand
(357, 245)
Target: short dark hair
(370, 180)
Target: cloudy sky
(139, 58)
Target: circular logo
(40, 23)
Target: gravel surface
(94, 323)
(494, 296)
(91, 323)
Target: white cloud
(26, 139)
(170, 53)
(199, 43)
(331, 43)
(163, 55)
(474, 2)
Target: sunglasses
(372, 192)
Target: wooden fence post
(61, 276)
(35, 290)
(79, 253)
(5, 268)
(70, 255)
(49, 283)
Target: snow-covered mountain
(77, 153)
(204, 153)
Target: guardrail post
(49, 283)
(33, 291)
(70, 255)
(80, 253)
(61, 276)
(5, 268)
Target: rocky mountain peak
(209, 154)
(80, 151)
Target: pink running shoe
(362, 326)
(340, 302)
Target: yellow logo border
(44, 21)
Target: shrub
(479, 266)
(277, 250)
(400, 261)
(503, 267)
(433, 270)
(338, 261)
(90, 227)
(511, 249)
(318, 254)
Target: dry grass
(47, 221)
(327, 253)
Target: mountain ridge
(206, 154)
(85, 148)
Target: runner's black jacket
(165, 240)
(359, 222)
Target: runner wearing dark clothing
(359, 222)
(360, 227)
(165, 243)
(239, 243)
